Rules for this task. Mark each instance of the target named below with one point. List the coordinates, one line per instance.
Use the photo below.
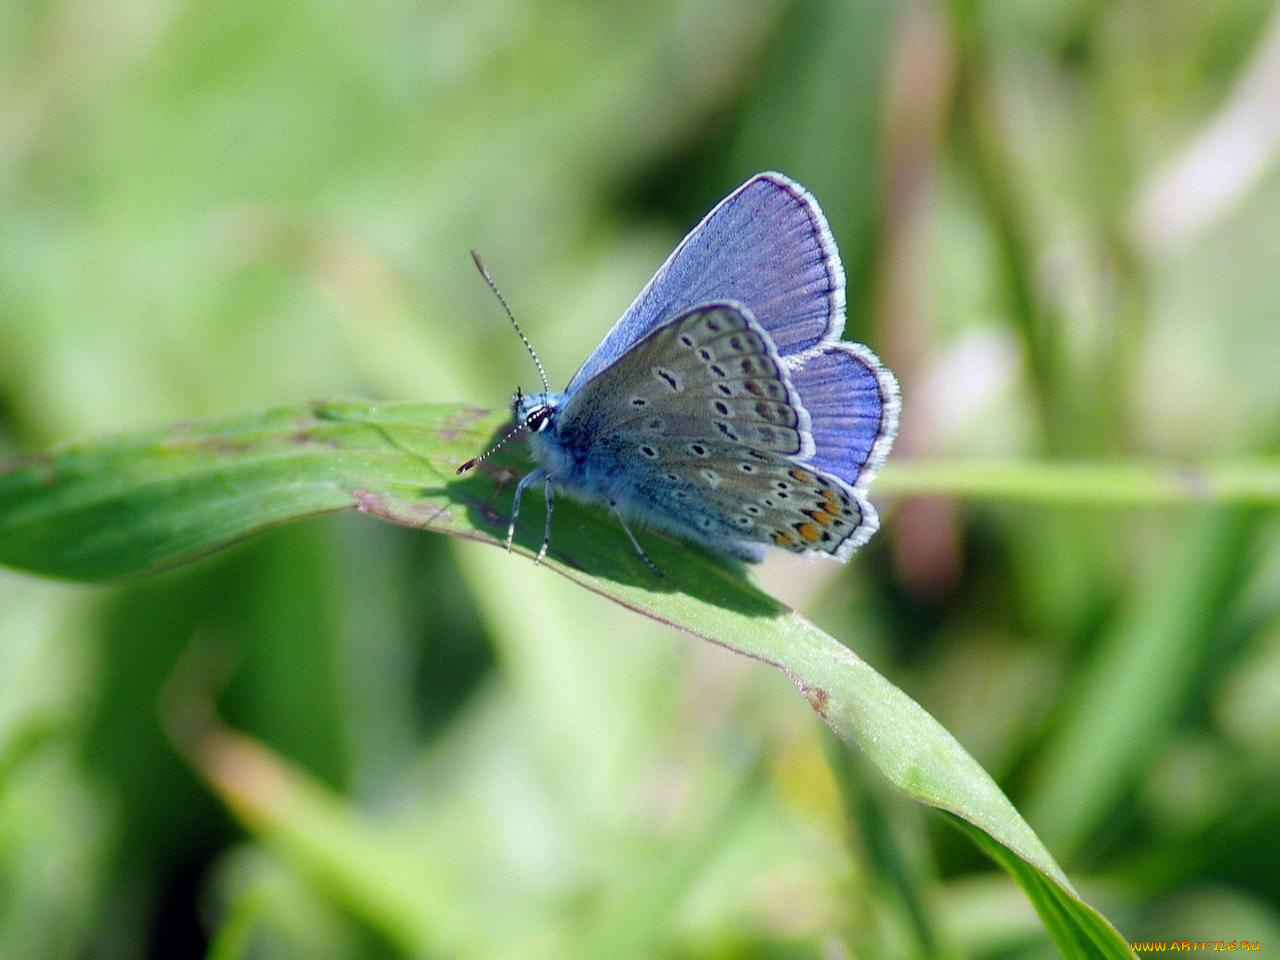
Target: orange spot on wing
(818, 516)
(783, 539)
(800, 476)
(809, 532)
(833, 503)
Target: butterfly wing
(852, 402)
(698, 428)
(709, 374)
(734, 495)
(766, 246)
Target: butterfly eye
(538, 420)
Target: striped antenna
(484, 272)
(492, 450)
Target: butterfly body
(723, 407)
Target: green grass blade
(140, 502)
(1098, 484)
(1076, 928)
(1142, 676)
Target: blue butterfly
(723, 406)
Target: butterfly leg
(530, 477)
(613, 506)
(546, 532)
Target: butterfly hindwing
(732, 493)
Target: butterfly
(723, 406)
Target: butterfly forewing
(711, 374)
(767, 246)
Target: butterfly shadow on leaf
(587, 539)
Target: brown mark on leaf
(817, 697)
(460, 421)
(403, 512)
(304, 439)
(369, 502)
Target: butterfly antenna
(492, 450)
(484, 272)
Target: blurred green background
(1059, 222)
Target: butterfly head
(536, 412)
